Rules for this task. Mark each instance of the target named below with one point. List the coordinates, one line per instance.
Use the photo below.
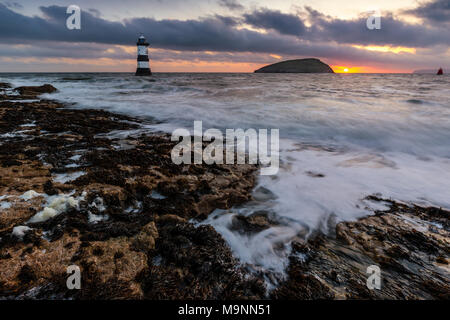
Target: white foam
(20, 231)
(15, 134)
(75, 157)
(156, 195)
(98, 204)
(32, 124)
(72, 165)
(136, 207)
(265, 251)
(30, 195)
(95, 218)
(56, 205)
(5, 205)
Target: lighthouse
(143, 67)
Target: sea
(343, 138)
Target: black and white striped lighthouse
(143, 67)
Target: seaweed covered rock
(118, 208)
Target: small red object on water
(440, 71)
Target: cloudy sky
(224, 35)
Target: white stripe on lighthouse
(143, 64)
(142, 50)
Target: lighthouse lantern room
(143, 67)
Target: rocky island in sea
(309, 65)
(74, 191)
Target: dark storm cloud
(15, 27)
(271, 19)
(286, 34)
(435, 11)
(231, 4)
(325, 28)
(50, 49)
(393, 32)
(212, 33)
(229, 21)
(95, 51)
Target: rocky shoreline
(88, 188)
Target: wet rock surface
(90, 188)
(35, 90)
(117, 207)
(409, 244)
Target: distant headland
(310, 65)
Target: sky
(224, 35)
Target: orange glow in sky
(174, 65)
(386, 49)
(365, 69)
(345, 69)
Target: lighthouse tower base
(143, 72)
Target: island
(310, 65)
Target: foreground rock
(4, 85)
(310, 65)
(36, 90)
(409, 244)
(74, 194)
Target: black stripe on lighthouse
(143, 66)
